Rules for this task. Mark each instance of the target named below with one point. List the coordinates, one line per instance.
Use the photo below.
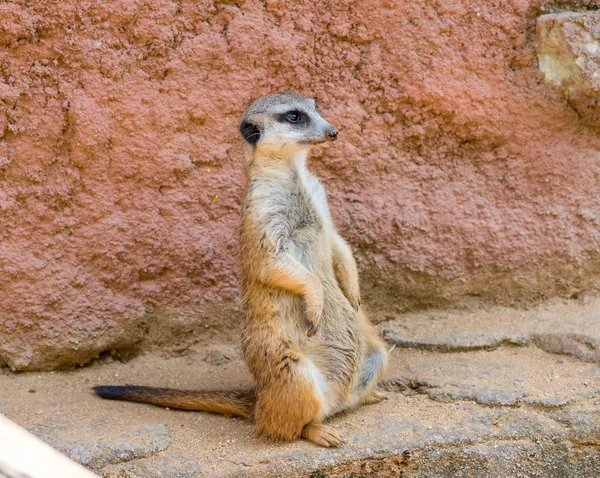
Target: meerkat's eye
(294, 117)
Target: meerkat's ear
(250, 132)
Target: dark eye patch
(294, 117)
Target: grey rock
(140, 444)
(457, 342)
(517, 376)
(216, 357)
(576, 345)
(482, 396)
(548, 403)
(583, 425)
(518, 459)
(581, 346)
(177, 466)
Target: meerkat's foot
(375, 396)
(321, 434)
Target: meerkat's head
(283, 124)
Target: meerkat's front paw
(348, 281)
(353, 297)
(314, 306)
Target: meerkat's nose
(332, 135)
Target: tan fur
(305, 339)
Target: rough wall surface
(458, 171)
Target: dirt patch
(468, 413)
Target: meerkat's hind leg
(374, 396)
(372, 370)
(322, 435)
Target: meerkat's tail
(236, 403)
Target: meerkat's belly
(339, 330)
(333, 356)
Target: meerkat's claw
(313, 318)
(353, 297)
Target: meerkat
(305, 338)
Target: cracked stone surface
(472, 392)
(506, 377)
(551, 326)
(98, 452)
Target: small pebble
(216, 357)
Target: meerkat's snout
(320, 131)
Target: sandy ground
(440, 395)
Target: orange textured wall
(458, 170)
